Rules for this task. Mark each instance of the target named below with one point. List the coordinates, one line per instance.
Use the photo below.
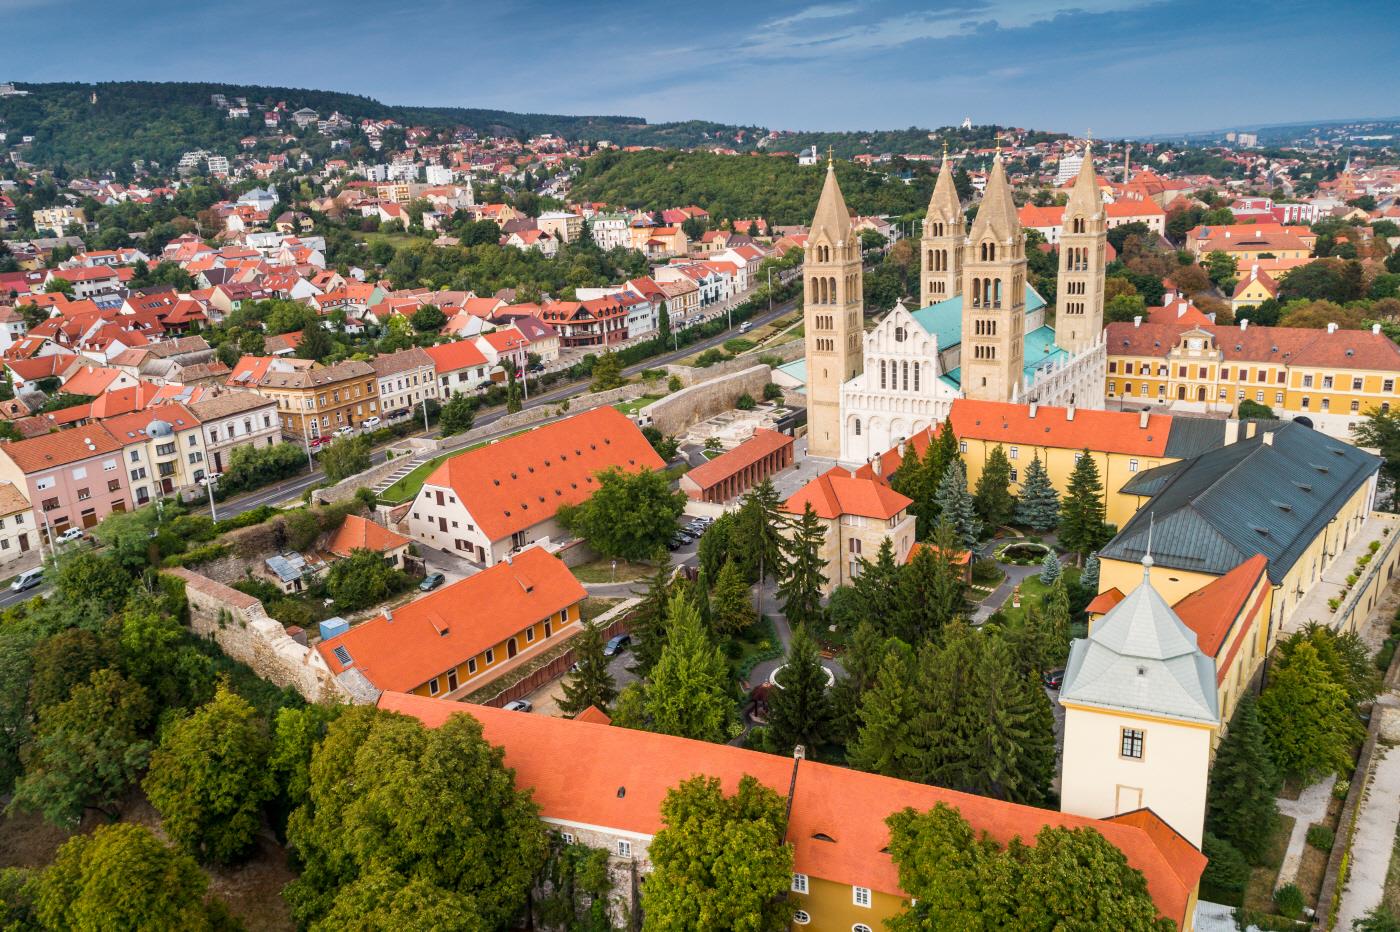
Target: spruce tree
(1038, 505)
(1082, 527)
(995, 504)
(947, 448)
(887, 741)
(1050, 568)
(730, 608)
(1243, 785)
(877, 588)
(1089, 579)
(758, 532)
(861, 663)
(804, 572)
(648, 623)
(918, 477)
(1054, 628)
(799, 708)
(930, 591)
(592, 683)
(955, 505)
(690, 693)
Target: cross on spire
(829, 157)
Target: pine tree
(955, 504)
(1050, 568)
(804, 573)
(730, 608)
(887, 741)
(1082, 527)
(1243, 785)
(995, 503)
(1089, 579)
(592, 684)
(648, 623)
(690, 693)
(799, 709)
(1038, 506)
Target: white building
(610, 231)
(438, 175)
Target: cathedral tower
(941, 247)
(1079, 295)
(994, 297)
(832, 315)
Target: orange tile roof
(91, 380)
(1294, 346)
(591, 714)
(839, 492)
(1032, 216)
(1179, 312)
(1102, 603)
(449, 357)
(1102, 431)
(443, 629)
(1211, 610)
(618, 777)
(357, 533)
(522, 480)
(57, 449)
(762, 443)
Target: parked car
(518, 705)
(746, 326)
(70, 535)
(431, 582)
(371, 423)
(1054, 679)
(617, 644)
(317, 441)
(27, 580)
(345, 431)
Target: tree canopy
(630, 515)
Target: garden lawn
(1259, 889)
(407, 487)
(636, 404)
(1033, 593)
(601, 571)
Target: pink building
(72, 478)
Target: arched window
(857, 427)
(977, 292)
(917, 367)
(996, 294)
(905, 367)
(882, 374)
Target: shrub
(710, 357)
(745, 402)
(675, 384)
(1227, 869)
(1288, 900)
(1321, 837)
(1374, 545)
(1340, 789)
(772, 391)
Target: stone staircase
(408, 465)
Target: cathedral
(980, 331)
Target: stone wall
(346, 488)
(239, 625)
(675, 413)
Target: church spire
(1084, 197)
(831, 216)
(996, 217)
(944, 202)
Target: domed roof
(159, 428)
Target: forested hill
(774, 188)
(159, 121)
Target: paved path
(1309, 807)
(1375, 830)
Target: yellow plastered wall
(832, 908)
(500, 653)
(1115, 469)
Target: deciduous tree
(1307, 717)
(690, 693)
(630, 515)
(457, 415)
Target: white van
(27, 580)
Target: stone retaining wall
(408, 447)
(239, 625)
(675, 413)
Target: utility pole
(425, 410)
(209, 482)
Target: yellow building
(1331, 377)
(435, 646)
(1256, 287)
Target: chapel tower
(994, 297)
(832, 315)
(1079, 294)
(940, 249)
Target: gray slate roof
(1142, 658)
(1219, 509)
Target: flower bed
(1023, 553)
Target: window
(113, 485)
(471, 666)
(1015, 453)
(80, 472)
(801, 918)
(44, 483)
(624, 848)
(567, 837)
(860, 896)
(194, 440)
(84, 494)
(1355, 406)
(529, 634)
(1278, 398)
(1306, 402)
(109, 465)
(1356, 385)
(490, 655)
(1132, 465)
(1388, 385)
(962, 446)
(1014, 475)
(136, 456)
(434, 687)
(1131, 744)
(799, 883)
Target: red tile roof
(57, 449)
(1211, 610)
(1102, 431)
(618, 777)
(443, 629)
(762, 443)
(357, 533)
(450, 357)
(839, 492)
(1102, 603)
(522, 480)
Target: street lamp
(209, 482)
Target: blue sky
(1116, 66)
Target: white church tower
(1141, 714)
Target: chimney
(1250, 429)
(1232, 431)
(1137, 321)
(1244, 323)
(389, 615)
(875, 464)
(1332, 327)
(1143, 417)
(1376, 328)
(799, 752)
(1268, 438)
(1034, 408)
(1069, 413)
(901, 448)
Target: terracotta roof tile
(357, 533)
(762, 443)
(839, 492)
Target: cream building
(914, 364)
(859, 513)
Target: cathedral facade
(981, 332)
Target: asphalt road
(292, 488)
